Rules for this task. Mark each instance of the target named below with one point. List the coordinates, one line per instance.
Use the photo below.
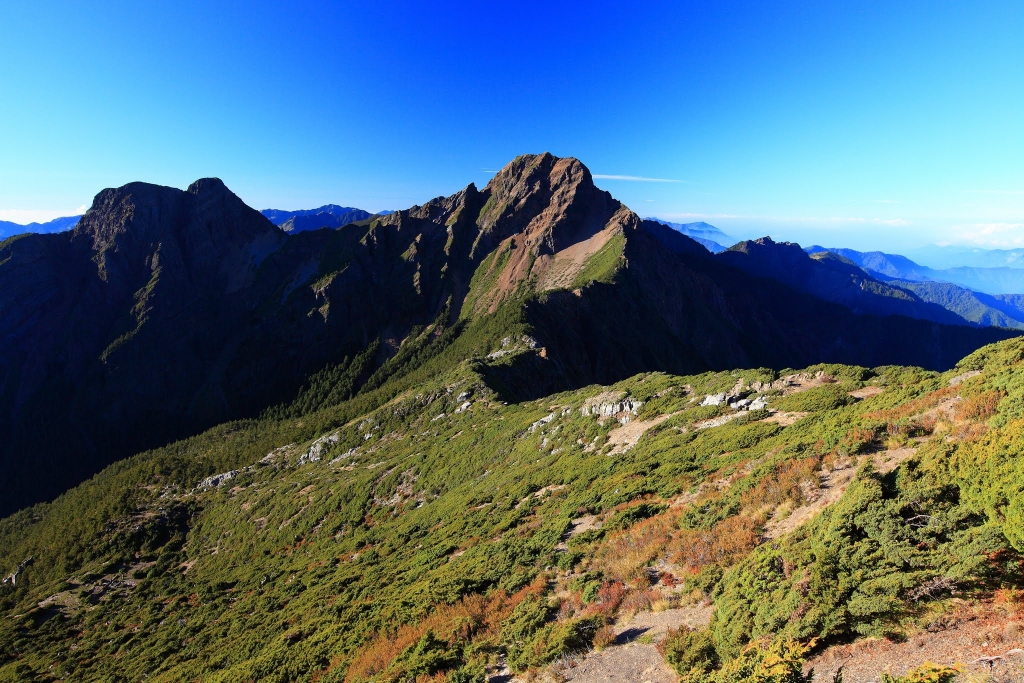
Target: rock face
(167, 311)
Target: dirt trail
(867, 392)
(832, 485)
(785, 419)
(630, 660)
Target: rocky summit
(165, 312)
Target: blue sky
(861, 124)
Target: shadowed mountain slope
(832, 277)
(166, 311)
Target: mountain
(999, 310)
(706, 234)
(995, 281)
(165, 312)
(716, 526)
(969, 257)
(327, 216)
(8, 229)
(890, 265)
(829, 276)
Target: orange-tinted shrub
(604, 637)
(726, 542)
(858, 440)
(624, 555)
(782, 485)
(978, 407)
(473, 616)
(910, 408)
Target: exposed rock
(350, 453)
(217, 480)
(759, 403)
(541, 422)
(12, 578)
(318, 448)
(612, 409)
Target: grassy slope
(339, 568)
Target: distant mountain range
(178, 310)
(971, 257)
(327, 216)
(713, 239)
(993, 281)
(8, 229)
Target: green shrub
(780, 662)
(690, 653)
(826, 397)
(926, 673)
(632, 515)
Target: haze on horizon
(870, 126)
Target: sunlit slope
(445, 531)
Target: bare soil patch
(628, 663)
(717, 421)
(631, 660)
(866, 392)
(831, 485)
(628, 435)
(985, 647)
(962, 376)
(785, 419)
(887, 461)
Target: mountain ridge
(327, 216)
(9, 229)
(241, 315)
(989, 280)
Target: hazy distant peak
(63, 224)
(326, 216)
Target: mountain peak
(207, 227)
(538, 176)
(552, 201)
(209, 186)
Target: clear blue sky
(862, 124)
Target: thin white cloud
(793, 219)
(636, 178)
(991, 234)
